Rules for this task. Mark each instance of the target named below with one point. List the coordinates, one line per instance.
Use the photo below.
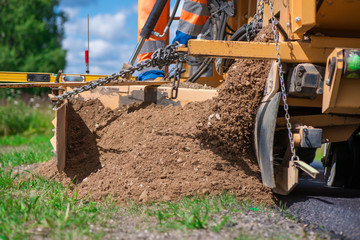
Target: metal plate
(264, 138)
(60, 135)
(38, 77)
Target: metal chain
(282, 82)
(161, 57)
(176, 81)
(254, 22)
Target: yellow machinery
(314, 81)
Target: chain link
(282, 82)
(176, 81)
(254, 22)
(160, 58)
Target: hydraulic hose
(241, 31)
(172, 16)
(153, 18)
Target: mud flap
(264, 138)
(59, 140)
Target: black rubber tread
(353, 179)
(340, 159)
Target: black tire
(353, 179)
(306, 154)
(336, 173)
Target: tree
(31, 32)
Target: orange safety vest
(193, 16)
(153, 43)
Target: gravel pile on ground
(153, 153)
(150, 153)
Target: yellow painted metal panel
(78, 84)
(20, 77)
(339, 18)
(303, 15)
(304, 102)
(290, 51)
(334, 42)
(320, 120)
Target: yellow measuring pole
(30, 77)
(30, 80)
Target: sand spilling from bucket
(153, 153)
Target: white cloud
(71, 12)
(102, 50)
(108, 46)
(109, 26)
(105, 56)
(105, 26)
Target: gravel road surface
(335, 209)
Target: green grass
(319, 154)
(11, 92)
(33, 206)
(17, 140)
(38, 150)
(199, 212)
(20, 118)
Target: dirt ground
(153, 153)
(150, 153)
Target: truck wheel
(335, 173)
(353, 179)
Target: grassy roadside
(31, 205)
(34, 207)
(18, 150)
(199, 212)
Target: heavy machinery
(311, 95)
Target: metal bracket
(312, 172)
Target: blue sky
(113, 34)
